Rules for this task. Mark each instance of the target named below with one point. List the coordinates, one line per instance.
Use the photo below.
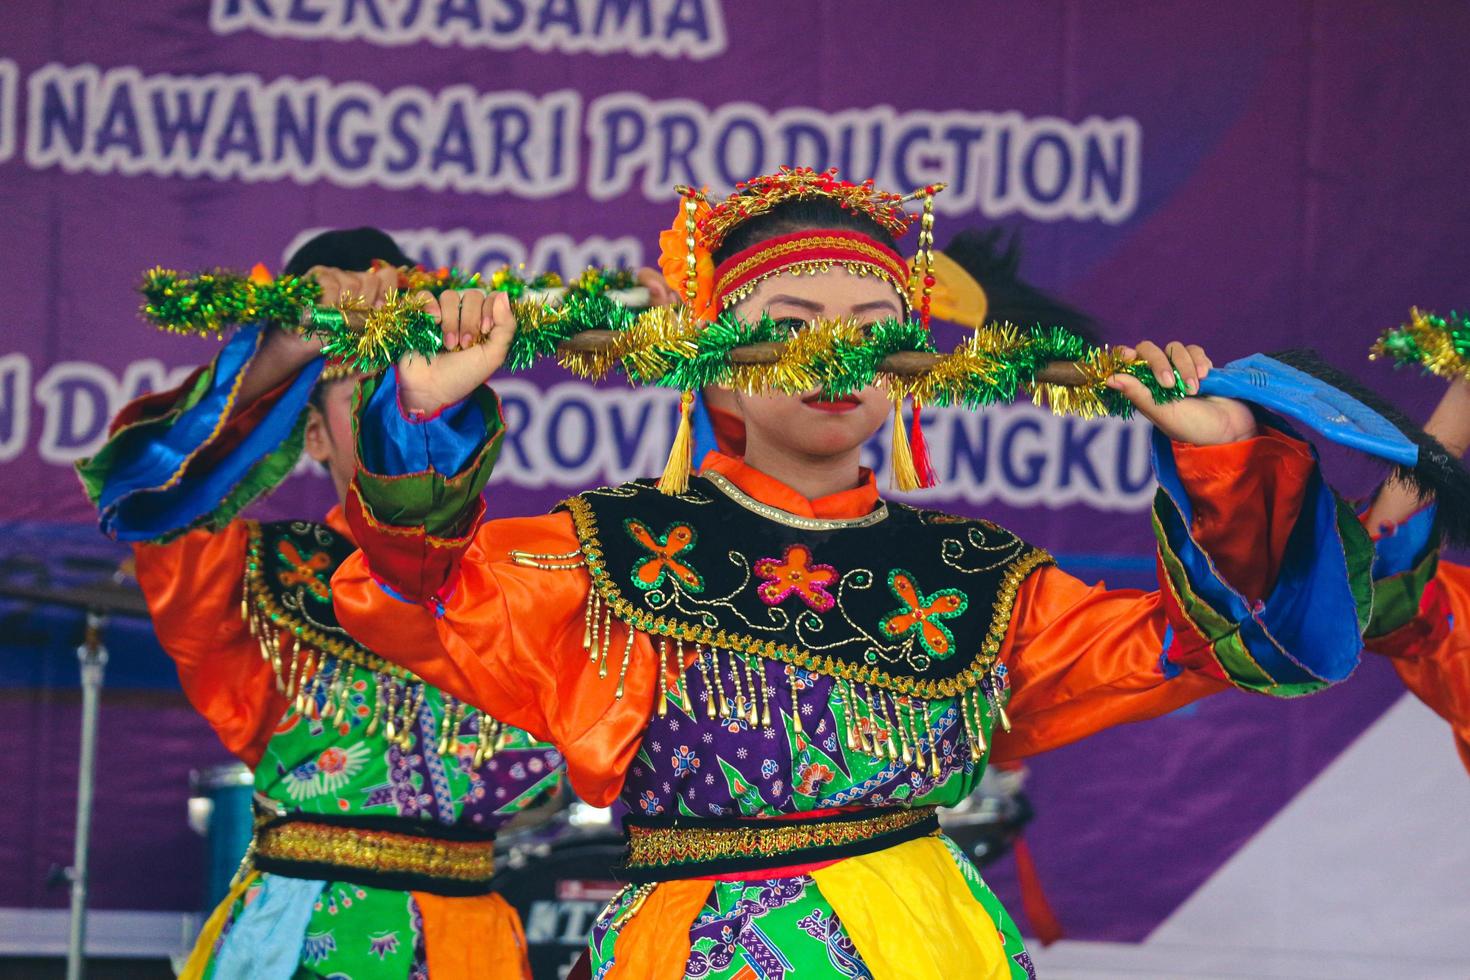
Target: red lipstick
(845, 403)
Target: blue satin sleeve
(391, 444)
(149, 490)
(1406, 546)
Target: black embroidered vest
(909, 601)
(287, 602)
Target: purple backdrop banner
(1249, 176)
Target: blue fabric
(394, 594)
(1333, 414)
(702, 427)
(132, 505)
(264, 941)
(1169, 667)
(1310, 614)
(391, 445)
(1405, 548)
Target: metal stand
(92, 656)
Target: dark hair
(353, 249)
(798, 215)
(317, 398)
(997, 268)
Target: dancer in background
(378, 795)
(1422, 602)
(781, 674)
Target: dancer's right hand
(478, 328)
(292, 349)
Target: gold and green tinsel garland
(994, 365)
(1438, 344)
(212, 302)
(591, 333)
(594, 336)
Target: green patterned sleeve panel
(1405, 562)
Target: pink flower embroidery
(794, 572)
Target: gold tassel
(904, 476)
(676, 470)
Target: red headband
(811, 251)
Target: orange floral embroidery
(649, 573)
(812, 777)
(310, 572)
(794, 572)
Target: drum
(220, 810)
(559, 880)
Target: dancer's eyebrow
(805, 304)
(875, 306)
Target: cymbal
(105, 596)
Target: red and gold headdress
(687, 248)
(687, 261)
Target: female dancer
(781, 674)
(377, 795)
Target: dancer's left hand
(1206, 421)
(660, 293)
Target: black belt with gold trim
(664, 849)
(377, 852)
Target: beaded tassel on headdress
(901, 461)
(675, 478)
(912, 469)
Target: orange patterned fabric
(1082, 658)
(663, 558)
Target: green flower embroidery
(923, 615)
(649, 573)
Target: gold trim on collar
(729, 489)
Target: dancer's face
(329, 433)
(803, 425)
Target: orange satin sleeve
(510, 641)
(1082, 658)
(1439, 673)
(193, 585)
(1246, 496)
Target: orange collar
(857, 502)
